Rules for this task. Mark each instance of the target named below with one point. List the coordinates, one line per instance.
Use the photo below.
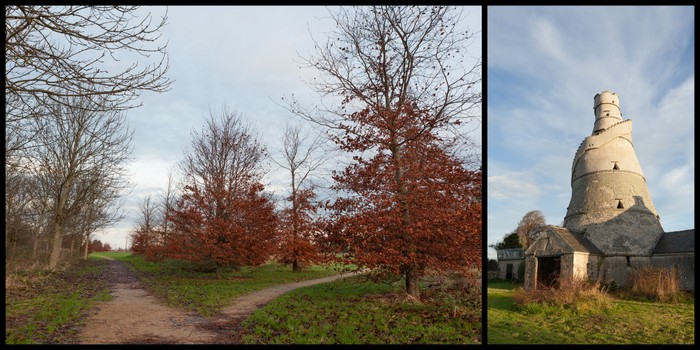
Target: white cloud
(512, 186)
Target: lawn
(357, 311)
(626, 322)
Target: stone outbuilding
(509, 263)
(611, 226)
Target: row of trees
(97, 246)
(67, 141)
(410, 199)
(219, 212)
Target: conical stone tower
(610, 202)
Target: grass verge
(357, 311)
(43, 307)
(624, 322)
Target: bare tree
(381, 57)
(167, 203)
(300, 158)
(100, 210)
(148, 215)
(145, 234)
(401, 76)
(18, 207)
(532, 223)
(226, 156)
(52, 52)
(80, 157)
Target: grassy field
(626, 322)
(356, 311)
(46, 307)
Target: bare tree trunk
(412, 273)
(56, 248)
(87, 243)
(58, 225)
(35, 249)
(412, 277)
(14, 248)
(301, 162)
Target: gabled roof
(676, 242)
(558, 240)
(576, 240)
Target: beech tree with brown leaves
(238, 232)
(223, 216)
(411, 213)
(409, 101)
(144, 237)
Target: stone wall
(529, 281)
(606, 269)
(685, 263)
(503, 268)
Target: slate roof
(676, 242)
(576, 240)
(510, 254)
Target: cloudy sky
(545, 64)
(244, 57)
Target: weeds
(656, 283)
(580, 296)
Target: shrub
(656, 283)
(580, 296)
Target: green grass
(178, 285)
(626, 322)
(356, 311)
(47, 307)
(108, 255)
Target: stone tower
(610, 202)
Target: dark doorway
(509, 271)
(548, 271)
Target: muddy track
(134, 316)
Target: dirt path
(135, 316)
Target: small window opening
(628, 261)
(607, 114)
(619, 204)
(615, 167)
